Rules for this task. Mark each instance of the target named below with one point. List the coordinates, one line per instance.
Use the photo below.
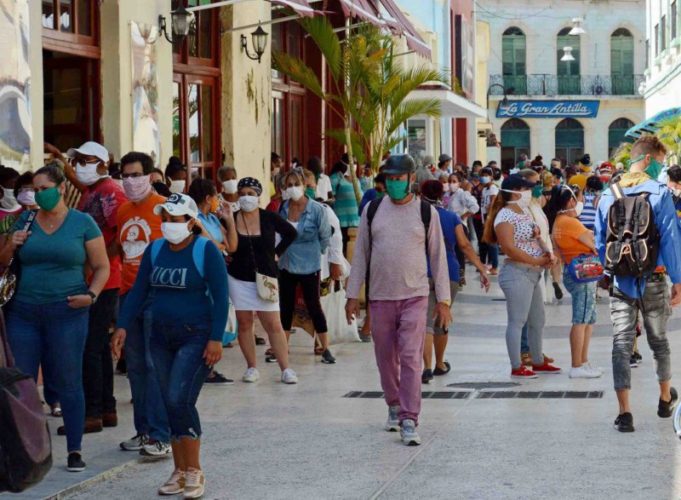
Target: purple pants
(398, 329)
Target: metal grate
(424, 395)
(484, 385)
(540, 395)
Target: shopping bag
(232, 328)
(333, 305)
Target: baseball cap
(399, 164)
(444, 157)
(90, 148)
(516, 181)
(178, 204)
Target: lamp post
(506, 91)
(259, 37)
(180, 24)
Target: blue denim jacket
(314, 233)
(667, 225)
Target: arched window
(616, 136)
(513, 60)
(515, 140)
(622, 62)
(569, 80)
(569, 141)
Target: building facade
(557, 94)
(662, 89)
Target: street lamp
(577, 27)
(180, 23)
(506, 91)
(567, 54)
(259, 37)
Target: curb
(90, 482)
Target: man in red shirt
(101, 197)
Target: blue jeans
(177, 353)
(54, 334)
(149, 412)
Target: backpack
(371, 213)
(632, 239)
(25, 444)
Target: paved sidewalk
(270, 441)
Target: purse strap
(250, 243)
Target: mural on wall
(145, 129)
(15, 82)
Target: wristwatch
(92, 295)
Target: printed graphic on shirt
(169, 277)
(135, 237)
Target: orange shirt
(137, 227)
(566, 233)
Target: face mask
(48, 198)
(397, 190)
(175, 232)
(214, 205)
(525, 198)
(230, 187)
(485, 180)
(453, 187)
(248, 203)
(8, 202)
(537, 191)
(177, 186)
(137, 188)
(578, 208)
(294, 193)
(310, 192)
(87, 173)
(445, 188)
(26, 198)
(379, 194)
(654, 169)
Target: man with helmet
(398, 239)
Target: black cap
(585, 160)
(399, 165)
(444, 157)
(515, 181)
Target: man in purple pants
(397, 239)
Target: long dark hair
(560, 197)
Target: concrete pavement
(267, 440)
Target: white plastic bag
(333, 305)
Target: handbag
(586, 268)
(9, 275)
(267, 286)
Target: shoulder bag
(267, 286)
(9, 276)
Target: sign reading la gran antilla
(548, 109)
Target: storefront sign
(548, 109)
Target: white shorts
(244, 296)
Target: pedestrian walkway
(267, 440)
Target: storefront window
(416, 138)
(69, 16)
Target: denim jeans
(53, 334)
(98, 376)
(524, 304)
(656, 310)
(177, 354)
(149, 412)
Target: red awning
(300, 6)
(386, 14)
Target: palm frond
(410, 109)
(321, 31)
(296, 69)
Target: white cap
(178, 204)
(90, 148)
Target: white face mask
(9, 202)
(445, 188)
(177, 186)
(87, 173)
(175, 232)
(294, 193)
(579, 207)
(26, 198)
(248, 203)
(230, 187)
(525, 198)
(453, 187)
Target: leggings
(288, 283)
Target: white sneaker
(583, 372)
(408, 433)
(251, 375)
(194, 483)
(288, 376)
(595, 369)
(156, 449)
(174, 484)
(393, 422)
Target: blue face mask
(485, 180)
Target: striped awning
(300, 6)
(652, 125)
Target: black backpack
(371, 213)
(632, 239)
(25, 445)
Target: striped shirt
(588, 215)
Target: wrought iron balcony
(555, 85)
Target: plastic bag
(231, 329)
(333, 305)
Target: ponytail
(489, 236)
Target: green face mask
(310, 193)
(654, 169)
(379, 194)
(537, 191)
(48, 198)
(397, 190)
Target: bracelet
(92, 295)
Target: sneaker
(633, 362)
(75, 462)
(583, 372)
(288, 376)
(156, 449)
(557, 291)
(194, 483)
(408, 433)
(328, 358)
(625, 422)
(215, 377)
(638, 357)
(666, 408)
(393, 422)
(135, 443)
(596, 369)
(366, 338)
(426, 376)
(260, 341)
(174, 484)
(546, 368)
(251, 375)
(523, 372)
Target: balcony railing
(553, 85)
